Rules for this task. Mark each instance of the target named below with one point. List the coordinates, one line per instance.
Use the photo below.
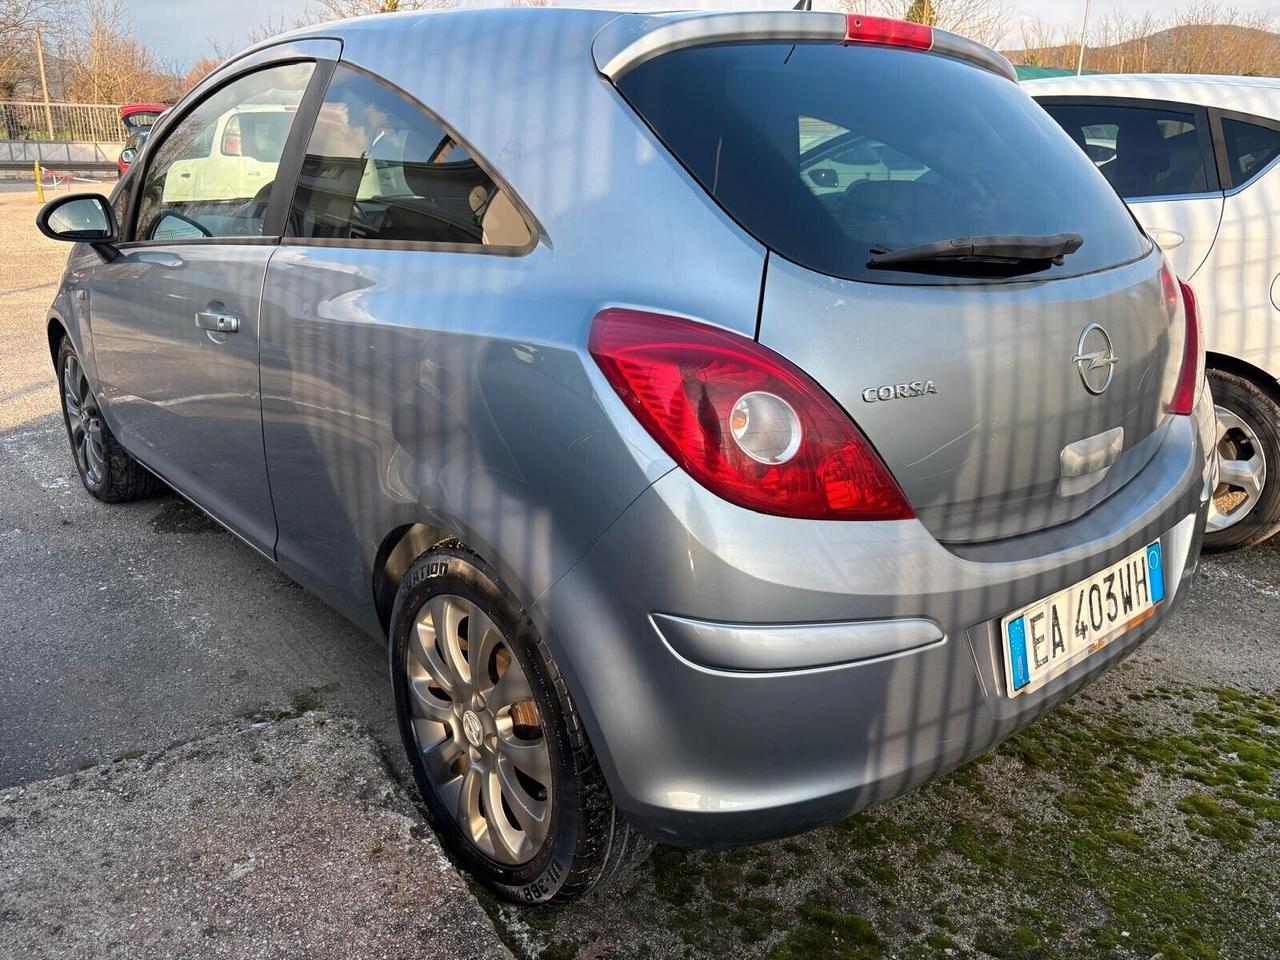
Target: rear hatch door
(971, 394)
(1006, 394)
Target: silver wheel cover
(1242, 472)
(478, 729)
(84, 422)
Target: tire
(1248, 512)
(105, 469)
(585, 841)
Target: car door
(1159, 158)
(175, 316)
(1239, 284)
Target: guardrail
(78, 122)
(81, 156)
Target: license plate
(1049, 636)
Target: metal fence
(32, 120)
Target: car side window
(378, 168)
(1250, 148)
(212, 175)
(1143, 152)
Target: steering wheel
(159, 222)
(255, 210)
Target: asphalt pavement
(134, 626)
(266, 841)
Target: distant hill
(1199, 48)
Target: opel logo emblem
(473, 728)
(1095, 359)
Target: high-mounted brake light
(892, 33)
(628, 42)
(745, 423)
(1191, 376)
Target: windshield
(826, 153)
(139, 120)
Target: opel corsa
(729, 420)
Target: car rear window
(825, 152)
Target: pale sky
(184, 30)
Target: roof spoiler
(629, 40)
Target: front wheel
(495, 741)
(105, 468)
(1246, 502)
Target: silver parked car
(729, 420)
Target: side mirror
(81, 218)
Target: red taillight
(744, 422)
(231, 145)
(1191, 376)
(892, 33)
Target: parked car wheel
(1246, 503)
(106, 470)
(496, 744)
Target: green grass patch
(1112, 828)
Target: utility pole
(44, 83)
(1084, 33)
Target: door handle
(217, 322)
(1166, 239)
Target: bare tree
(1202, 37)
(1040, 43)
(1122, 43)
(1248, 47)
(19, 20)
(344, 9)
(101, 62)
(986, 21)
(199, 70)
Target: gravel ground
(1140, 821)
(284, 840)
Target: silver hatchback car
(730, 420)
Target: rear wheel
(105, 469)
(494, 739)
(1246, 502)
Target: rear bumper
(711, 734)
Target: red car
(137, 119)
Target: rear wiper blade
(994, 250)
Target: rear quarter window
(1251, 148)
(825, 152)
(379, 169)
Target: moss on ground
(824, 931)
(1093, 834)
